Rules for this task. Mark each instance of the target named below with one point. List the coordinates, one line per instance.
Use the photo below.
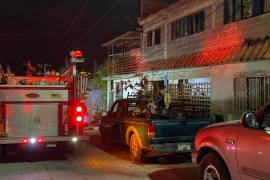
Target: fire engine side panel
(33, 95)
(38, 119)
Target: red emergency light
(78, 54)
(79, 118)
(80, 110)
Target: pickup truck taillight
(151, 131)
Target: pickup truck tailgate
(170, 131)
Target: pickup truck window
(116, 110)
(136, 110)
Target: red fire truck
(43, 111)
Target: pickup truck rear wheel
(136, 152)
(213, 168)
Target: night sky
(44, 31)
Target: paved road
(93, 161)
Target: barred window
(251, 92)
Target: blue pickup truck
(149, 134)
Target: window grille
(194, 97)
(251, 92)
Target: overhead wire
(70, 26)
(96, 23)
(89, 29)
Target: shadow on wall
(185, 173)
(223, 110)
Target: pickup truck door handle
(230, 141)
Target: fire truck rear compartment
(32, 120)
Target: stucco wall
(222, 86)
(216, 34)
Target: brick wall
(216, 34)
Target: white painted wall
(222, 86)
(221, 79)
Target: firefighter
(30, 69)
(3, 79)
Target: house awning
(251, 50)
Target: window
(188, 25)
(116, 109)
(235, 10)
(157, 37)
(251, 92)
(154, 37)
(149, 38)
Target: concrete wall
(216, 34)
(222, 86)
(221, 79)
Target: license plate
(183, 147)
(51, 145)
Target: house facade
(124, 58)
(223, 43)
(214, 53)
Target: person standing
(3, 79)
(30, 69)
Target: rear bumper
(19, 140)
(178, 147)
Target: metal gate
(251, 90)
(191, 97)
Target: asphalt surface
(93, 160)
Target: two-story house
(211, 50)
(123, 61)
(212, 54)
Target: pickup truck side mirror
(249, 120)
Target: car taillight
(25, 141)
(151, 131)
(40, 140)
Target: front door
(253, 151)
